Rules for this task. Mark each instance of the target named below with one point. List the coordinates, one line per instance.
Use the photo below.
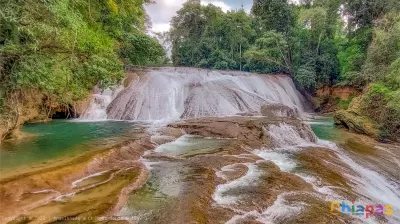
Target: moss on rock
(356, 123)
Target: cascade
(99, 103)
(180, 93)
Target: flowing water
(174, 93)
(230, 169)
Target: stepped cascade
(180, 93)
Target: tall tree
(273, 15)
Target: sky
(162, 12)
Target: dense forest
(322, 42)
(61, 49)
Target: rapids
(213, 159)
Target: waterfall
(175, 93)
(99, 104)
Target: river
(158, 164)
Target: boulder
(356, 123)
(278, 110)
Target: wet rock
(356, 123)
(247, 114)
(3, 131)
(162, 139)
(328, 169)
(58, 178)
(278, 110)
(170, 131)
(316, 211)
(370, 153)
(129, 78)
(252, 131)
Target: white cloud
(160, 27)
(162, 12)
(220, 4)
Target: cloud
(220, 4)
(162, 11)
(160, 27)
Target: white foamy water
(221, 195)
(279, 210)
(174, 93)
(282, 160)
(375, 188)
(98, 106)
(75, 183)
(45, 191)
(284, 135)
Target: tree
(186, 27)
(140, 49)
(270, 54)
(204, 36)
(363, 13)
(63, 48)
(273, 15)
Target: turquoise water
(324, 128)
(59, 139)
(62, 139)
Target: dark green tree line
(277, 37)
(317, 42)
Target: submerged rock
(278, 110)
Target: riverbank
(31, 106)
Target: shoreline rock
(356, 123)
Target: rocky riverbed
(207, 170)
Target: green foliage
(269, 54)
(382, 105)
(204, 36)
(363, 13)
(382, 70)
(276, 38)
(306, 76)
(273, 15)
(141, 49)
(344, 104)
(64, 47)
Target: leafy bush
(141, 49)
(306, 76)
